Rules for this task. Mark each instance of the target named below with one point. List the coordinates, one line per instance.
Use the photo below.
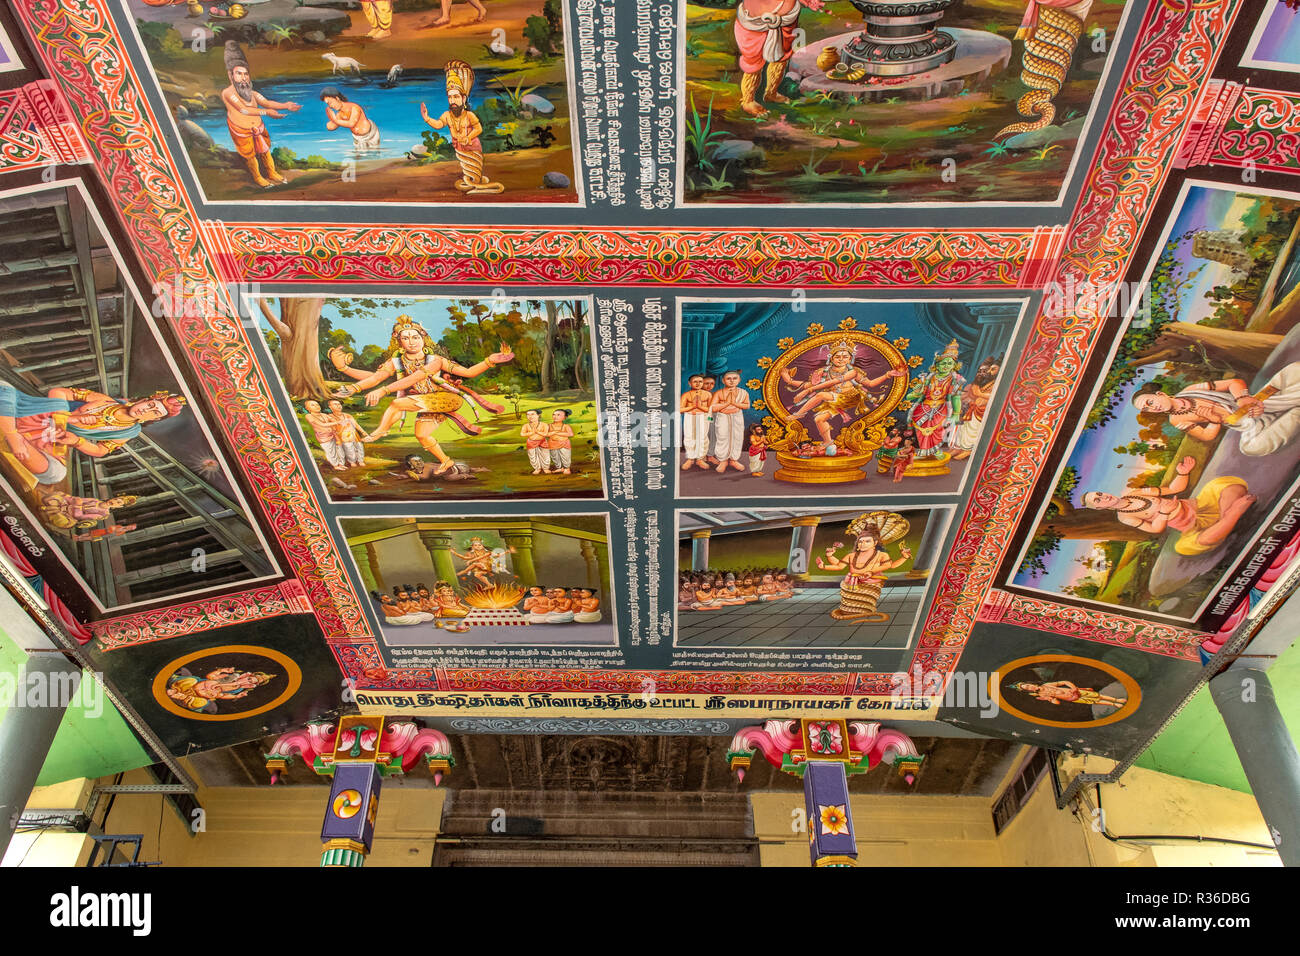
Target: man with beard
(465, 129)
(975, 399)
(245, 108)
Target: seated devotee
(586, 606)
(561, 607)
(729, 595)
(685, 592)
(393, 614)
(449, 605)
(427, 601)
(536, 594)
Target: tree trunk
(299, 329)
(1179, 342)
(580, 354)
(1094, 525)
(548, 348)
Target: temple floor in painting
(803, 621)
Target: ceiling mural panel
(295, 103)
(1035, 420)
(860, 103)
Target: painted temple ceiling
(578, 364)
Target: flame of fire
(497, 596)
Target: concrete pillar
(801, 544)
(521, 539)
(1268, 755)
(700, 550)
(439, 545)
(27, 732)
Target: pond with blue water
(395, 111)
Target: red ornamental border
(1167, 640)
(257, 604)
(778, 258)
(1263, 131)
(36, 129)
(1174, 55)
(81, 47)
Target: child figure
(586, 606)
(349, 435)
(559, 441)
(534, 433)
(757, 443)
(694, 405)
(906, 452)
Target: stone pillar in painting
(700, 550)
(698, 321)
(367, 566)
(801, 544)
(928, 549)
(439, 545)
(521, 539)
(588, 551)
(996, 322)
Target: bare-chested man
(694, 406)
(1203, 523)
(728, 407)
(765, 34)
(245, 108)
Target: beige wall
(958, 831)
(280, 826)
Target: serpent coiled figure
(1049, 48)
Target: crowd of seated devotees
(717, 590)
(417, 605)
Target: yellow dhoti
(1207, 513)
(379, 13)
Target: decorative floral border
(1174, 54)
(287, 597)
(1090, 625)
(36, 129)
(775, 258)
